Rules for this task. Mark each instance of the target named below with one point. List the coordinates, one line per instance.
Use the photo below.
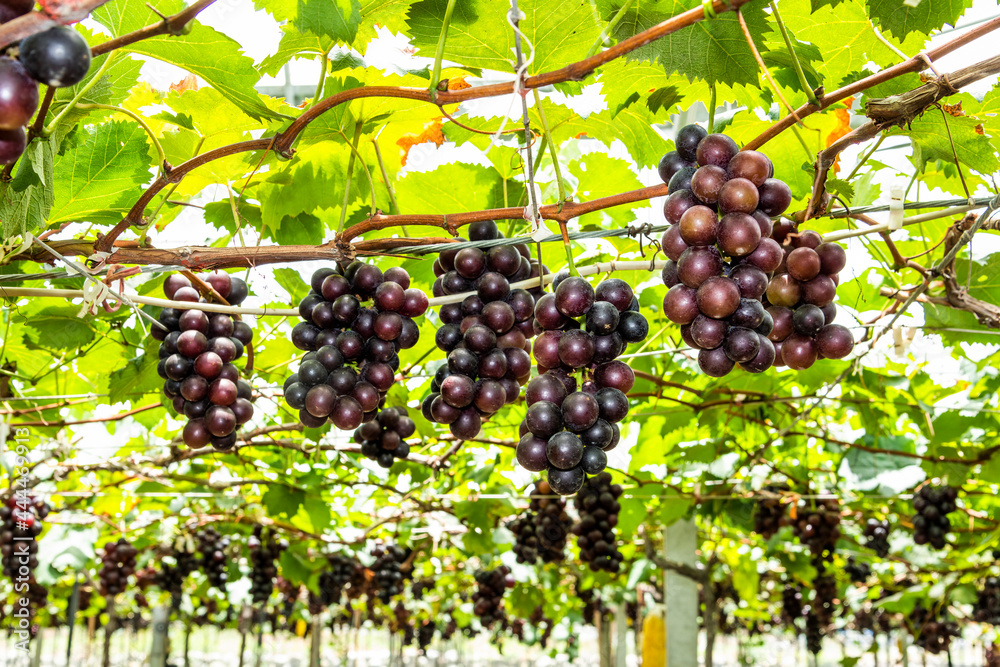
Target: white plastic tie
(94, 293)
(26, 242)
(895, 207)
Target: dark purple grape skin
(739, 234)
(602, 318)
(599, 435)
(833, 258)
(545, 387)
(669, 274)
(775, 197)
(708, 333)
(718, 297)
(18, 95)
(615, 291)
(782, 319)
(547, 314)
(608, 348)
(699, 226)
(738, 195)
(544, 419)
(347, 414)
(594, 460)
(675, 205)
(707, 183)
(574, 297)
(564, 450)
(490, 396)
(681, 180)
(751, 281)
(799, 352)
(580, 411)
(468, 424)
(680, 304)
(749, 314)
(220, 421)
(763, 360)
(12, 145)
(688, 138)
(196, 434)
(222, 392)
(458, 390)
(492, 365)
(669, 164)
(834, 341)
(531, 453)
(498, 316)
(716, 149)
(613, 404)
(576, 348)
(766, 227)
(633, 327)
(192, 343)
(566, 482)
(751, 165)
(808, 320)
(320, 400)
(697, 264)
(803, 264)
(768, 255)
(442, 413)
(807, 239)
(483, 230)
(741, 344)
(194, 388)
(784, 290)
(672, 243)
(714, 362)
(615, 374)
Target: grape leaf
(58, 328)
(135, 377)
(932, 138)
(97, 181)
(434, 191)
(337, 19)
(26, 200)
(900, 18)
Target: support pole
(74, 607)
(621, 635)
(160, 622)
(317, 635)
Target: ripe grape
(542, 529)
(58, 57)
(598, 507)
(18, 95)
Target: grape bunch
(598, 506)
(824, 602)
(933, 505)
(933, 634)
(351, 350)
(814, 633)
(117, 565)
(383, 439)
(264, 551)
(341, 571)
(388, 568)
(57, 57)
(21, 516)
(485, 335)
(818, 527)
(987, 607)
(212, 548)
(487, 601)
(993, 655)
(877, 536)
(772, 513)
(568, 430)
(858, 572)
(197, 351)
(791, 605)
(425, 634)
(542, 530)
(800, 298)
(171, 577)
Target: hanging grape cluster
(718, 273)
(792, 606)
(800, 297)
(598, 506)
(383, 439)
(351, 349)
(932, 633)
(425, 634)
(818, 527)
(171, 576)
(485, 336)
(22, 517)
(197, 351)
(542, 529)
(568, 430)
(212, 547)
(265, 549)
(772, 513)
(487, 601)
(341, 571)
(58, 57)
(388, 569)
(993, 655)
(877, 536)
(987, 607)
(933, 505)
(117, 565)
(857, 572)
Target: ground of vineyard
(214, 648)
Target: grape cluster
(987, 607)
(934, 635)
(425, 634)
(487, 601)
(598, 506)
(877, 535)
(485, 336)
(22, 516)
(383, 439)
(197, 350)
(57, 57)
(858, 572)
(568, 430)
(814, 633)
(993, 655)
(212, 548)
(824, 602)
(117, 565)
(772, 513)
(800, 298)
(818, 527)
(341, 571)
(388, 568)
(351, 350)
(933, 505)
(791, 605)
(171, 577)
(264, 551)
(542, 530)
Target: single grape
(681, 180)
(18, 95)
(670, 164)
(688, 138)
(834, 341)
(672, 243)
(775, 197)
(716, 149)
(751, 165)
(718, 297)
(707, 183)
(739, 234)
(714, 362)
(699, 226)
(58, 57)
(677, 203)
(738, 195)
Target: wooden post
(242, 625)
(317, 635)
(260, 636)
(681, 595)
(36, 656)
(109, 629)
(91, 629)
(159, 624)
(187, 642)
(74, 608)
(604, 638)
(621, 635)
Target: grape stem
(553, 149)
(810, 93)
(318, 95)
(606, 32)
(350, 173)
(439, 53)
(711, 108)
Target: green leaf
(900, 17)
(932, 137)
(435, 191)
(282, 500)
(869, 465)
(337, 19)
(97, 180)
(137, 376)
(58, 328)
(26, 200)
